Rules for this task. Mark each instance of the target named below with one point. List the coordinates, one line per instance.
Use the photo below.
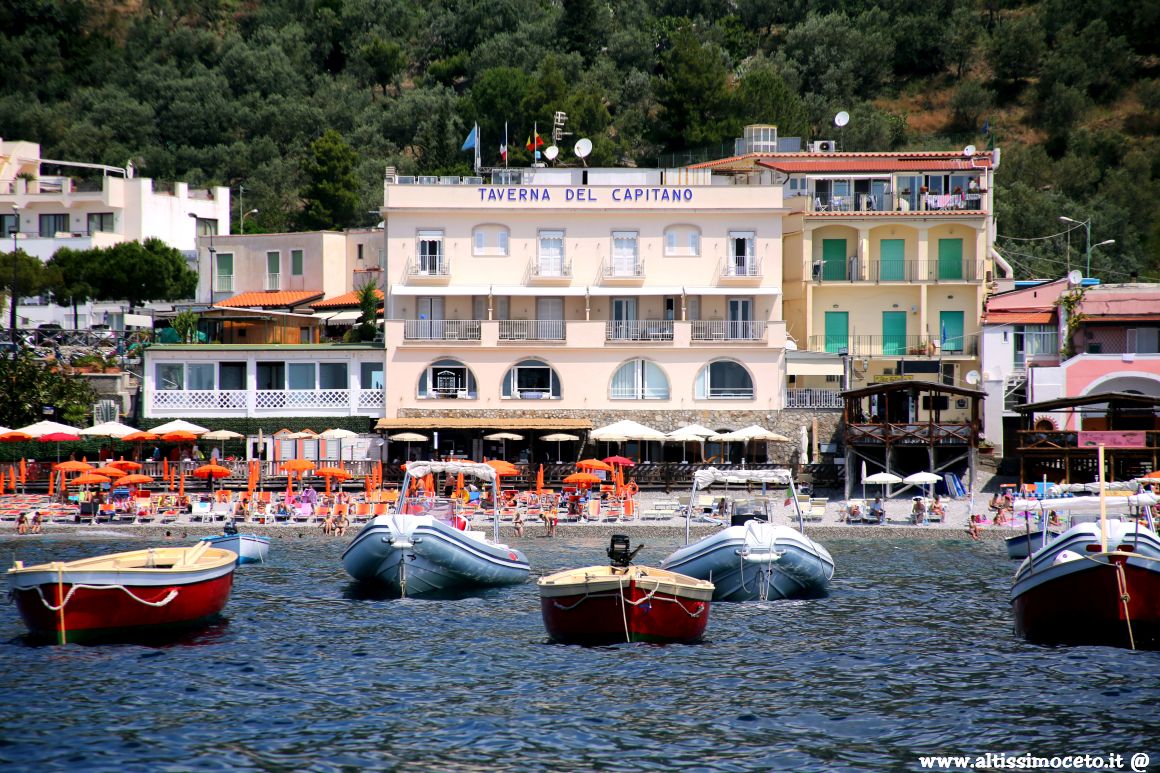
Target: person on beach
(877, 511)
(550, 520)
(918, 512)
(328, 524)
(1053, 519)
(936, 507)
(519, 523)
(340, 525)
(21, 524)
(973, 526)
(35, 525)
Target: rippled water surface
(912, 653)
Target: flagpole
(506, 148)
(477, 142)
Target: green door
(950, 325)
(950, 258)
(833, 259)
(893, 332)
(837, 330)
(893, 268)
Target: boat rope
(1122, 584)
(623, 609)
(68, 597)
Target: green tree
(139, 272)
(584, 27)
(764, 97)
(25, 276)
(73, 278)
(1016, 47)
(331, 193)
(970, 100)
(30, 386)
(185, 323)
(692, 90)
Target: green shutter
(296, 262)
(950, 258)
(225, 264)
(893, 267)
(837, 330)
(950, 325)
(834, 259)
(893, 332)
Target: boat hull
(1072, 592)
(757, 561)
(251, 548)
(73, 603)
(1026, 544)
(416, 556)
(633, 606)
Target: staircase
(1015, 389)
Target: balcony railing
(895, 345)
(622, 269)
(273, 281)
(369, 399)
(813, 398)
(199, 400)
(541, 269)
(728, 330)
(323, 399)
(531, 330)
(1115, 339)
(876, 270)
(223, 283)
(441, 330)
(736, 267)
(638, 330)
(428, 266)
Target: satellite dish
(583, 147)
(842, 118)
(969, 151)
(1075, 278)
(551, 152)
(973, 377)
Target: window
(447, 380)
(724, 379)
(271, 375)
(51, 225)
(371, 375)
(296, 262)
(531, 380)
(273, 271)
(490, 240)
(232, 375)
(332, 375)
(625, 257)
(170, 376)
(100, 221)
(682, 241)
(359, 252)
(9, 224)
(742, 258)
(430, 253)
(639, 380)
(224, 278)
(200, 377)
(550, 259)
(300, 375)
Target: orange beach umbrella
(297, 465)
(593, 464)
(72, 466)
(123, 464)
(582, 479)
(214, 471)
(138, 437)
(180, 436)
(133, 480)
(87, 479)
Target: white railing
(204, 400)
(441, 330)
(728, 330)
(622, 269)
(223, 283)
(638, 330)
(531, 330)
(273, 281)
(734, 267)
(540, 269)
(273, 399)
(813, 398)
(432, 265)
(638, 393)
(369, 399)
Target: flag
(539, 141)
(987, 126)
(943, 335)
(472, 139)
(503, 151)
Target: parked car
(49, 332)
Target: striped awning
(524, 421)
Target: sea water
(911, 654)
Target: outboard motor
(619, 554)
(231, 528)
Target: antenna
(1075, 278)
(583, 148)
(972, 377)
(551, 152)
(841, 119)
(969, 151)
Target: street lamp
(12, 291)
(243, 226)
(1087, 225)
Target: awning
(813, 368)
(630, 291)
(546, 290)
(344, 317)
(523, 421)
(732, 291)
(401, 290)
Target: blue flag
(943, 336)
(472, 139)
(987, 127)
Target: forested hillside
(242, 94)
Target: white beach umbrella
(558, 438)
(42, 428)
(627, 428)
(340, 435)
(109, 429)
(882, 479)
(222, 434)
(503, 437)
(923, 479)
(408, 438)
(695, 429)
(179, 425)
(683, 437)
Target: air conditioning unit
(823, 146)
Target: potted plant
(986, 447)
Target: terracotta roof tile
(346, 300)
(1020, 317)
(857, 162)
(271, 299)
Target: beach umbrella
(540, 480)
(626, 430)
(15, 436)
(619, 460)
(23, 471)
(139, 436)
(297, 465)
(136, 479)
(58, 438)
(124, 464)
(694, 429)
(338, 434)
(923, 479)
(502, 467)
(181, 483)
(408, 438)
(558, 438)
(881, 479)
(804, 449)
(42, 428)
(211, 471)
(582, 479)
(1154, 475)
(179, 436)
(88, 479)
(335, 473)
(179, 425)
(683, 437)
(223, 435)
(504, 437)
(72, 466)
(108, 471)
(109, 429)
(593, 464)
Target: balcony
(441, 330)
(876, 271)
(532, 330)
(199, 400)
(622, 271)
(638, 330)
(825, 399)
(273, 282)
(428, 270)
(904, 203)
(719, 330)
(223, 283)
(548, 272)
(740, 270)
(896, 345)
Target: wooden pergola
(882, 418)
(1127, 424)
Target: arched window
(724, 380)
(447, 380)
(639, 380)
(531, 380)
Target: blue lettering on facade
(619, 195)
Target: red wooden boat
(124, 596)
(624, 603)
